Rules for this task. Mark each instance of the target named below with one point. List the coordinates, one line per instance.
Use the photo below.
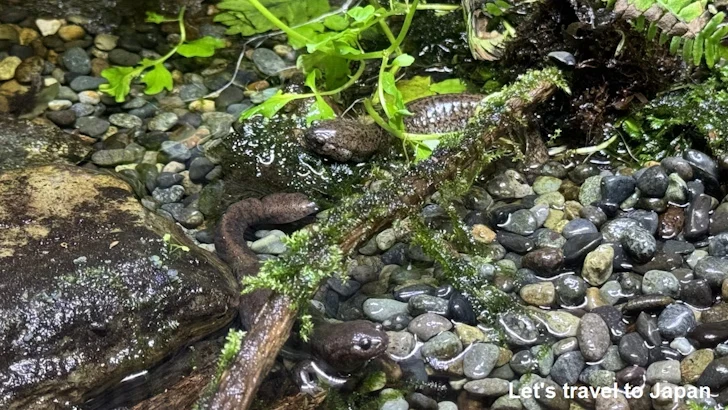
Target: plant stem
(595, 148)
(182, 30)
(385, 28)
(281, 25)
(182, 39)
(353, 79)
(380, 121)
(439, 7)
(422, 137)
(380, 88)
(405, 27)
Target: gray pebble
(479, 360)
(427, 325)
(168, 195)
(267, 61)
(163, 121)
(379, 310)
(593, 337)
(676, 320)
(123, 120)
(444, 346)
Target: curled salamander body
(344, 346)
(344, 139)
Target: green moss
(262, 157)
(485, 298)
(695, 117)
(337, 400)
(233, 341)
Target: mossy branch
(358, 218)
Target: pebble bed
(160, 141)
(622, 275)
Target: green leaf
(120, 79)
(691, 11)
(155, 18)
(423, 149)
(449, 86)
(319, 110)
(157, 79)
(334, 70)
(711, 51)
(420, 87)
(345, 49)
(403, 60)
(422, 152)
(310, 31)
(719, 34)
(504, 5)
(336, 22)
(643, 5)
(687, 53)
(388, 83)
(675, 45)
(269, 107)
(361, 14)
(698, 49)
(493, 10)
(712, 24)
(415, 87)
(244, 19)
(663, 38)
(651, 31)
(202, 47)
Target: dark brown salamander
(231, 247)
(343, 346)
(344, 139)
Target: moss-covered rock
(265, 156)
(27, 142)
(90, 292)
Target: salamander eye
(365, 343)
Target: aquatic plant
(173, 249)
(669, 122)
(153, 73)
(333, 45)
(243, 18)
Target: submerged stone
(102, 296)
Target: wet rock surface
(108, 300)
(26, 143)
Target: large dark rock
(89, 290)
(101, 14)
(36, 142)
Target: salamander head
(344, 139)
(346, 346)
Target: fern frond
(690, 28)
